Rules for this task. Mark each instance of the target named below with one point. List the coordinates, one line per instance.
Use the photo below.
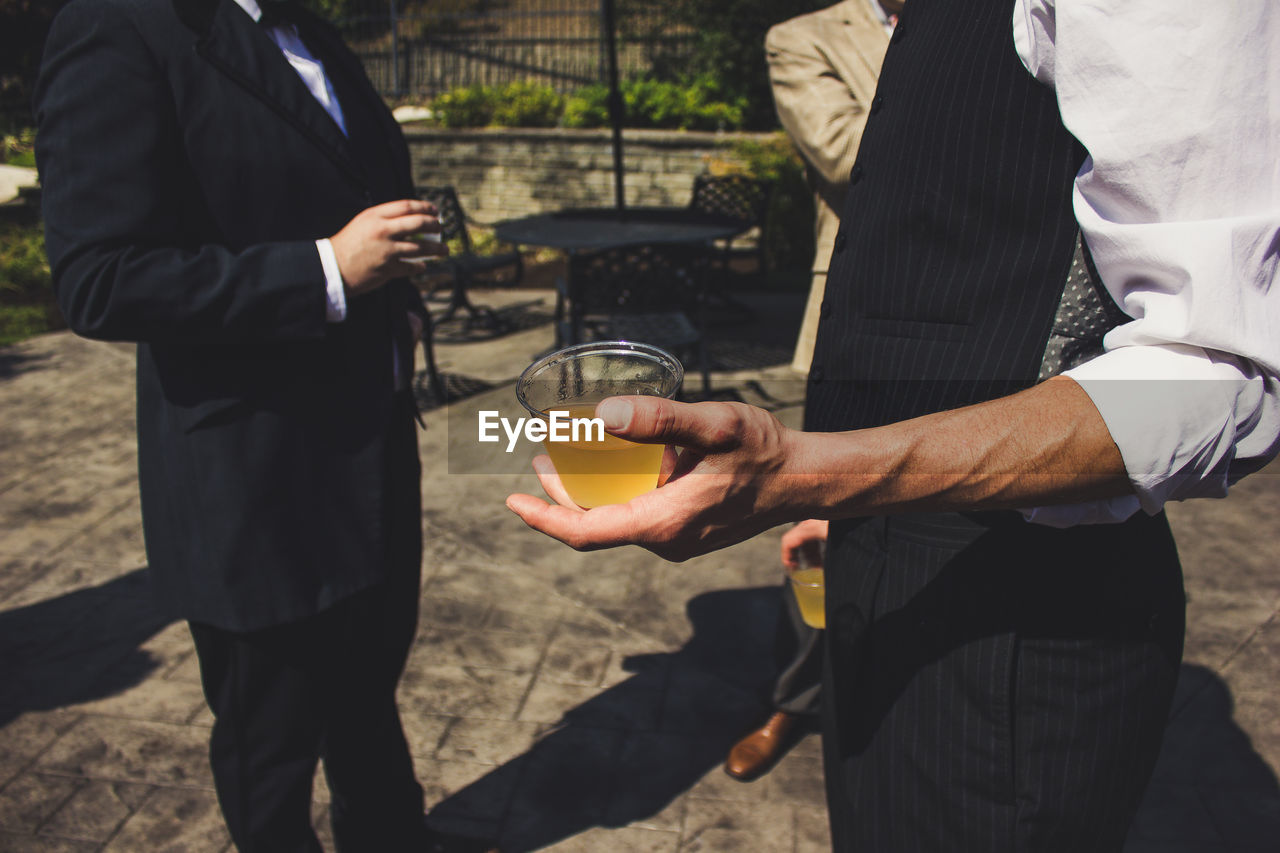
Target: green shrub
(18, 149)
(587, 107)
(685, 106)
(728, 39)
(516, 104)
(24, 270)
(696, 105)
(527, 105)
(468, 106)
(19, 322)
(26, 295)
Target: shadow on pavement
(77, 647)
(14, 363)
(627, 753)
(1210, 790)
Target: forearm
(270, 292)
(1046, 445)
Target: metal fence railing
(420, 50)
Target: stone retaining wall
(505, 173)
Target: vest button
(898, 33)
(816, 373)
(826, 310)
(876, 103)
(841, 242)
(855, 174)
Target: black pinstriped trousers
(993, 685)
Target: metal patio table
(588, 229)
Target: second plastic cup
(809, 584)
(598, 469)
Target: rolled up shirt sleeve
(1179, 203)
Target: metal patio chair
(465, 266)
(651, 293)
(739, 197)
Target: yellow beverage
(612, 471)
(808, 587)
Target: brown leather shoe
(752, 756)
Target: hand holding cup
(384, 242)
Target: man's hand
(806, 538)
(730, 482)
(371, 248)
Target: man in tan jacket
(824, 67)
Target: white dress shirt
(311, 70)
(1179, 201)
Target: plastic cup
(425, 236)
(808, 584)
(596, 468)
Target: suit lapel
(238, 47)
(362, 99)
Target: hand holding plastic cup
(597, 468)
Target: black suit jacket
(187, 172)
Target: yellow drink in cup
(612, 471)
(596, 468)
(809, 587)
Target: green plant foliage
(789, 229)
(24, 271)
(648, 103)
(19, 322)
(18, 149)
(467, 106)
(728, 45)
(26, 295)
(516, 104)
(691, 105)
(587, 107)
(527, 105)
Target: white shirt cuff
(335, 290)
(1180, 416)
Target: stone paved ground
(574, 702)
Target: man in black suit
(232, 194)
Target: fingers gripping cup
(596, 468)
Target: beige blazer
(823, 67)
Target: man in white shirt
(1051, 309)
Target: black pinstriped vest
(958, 275)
